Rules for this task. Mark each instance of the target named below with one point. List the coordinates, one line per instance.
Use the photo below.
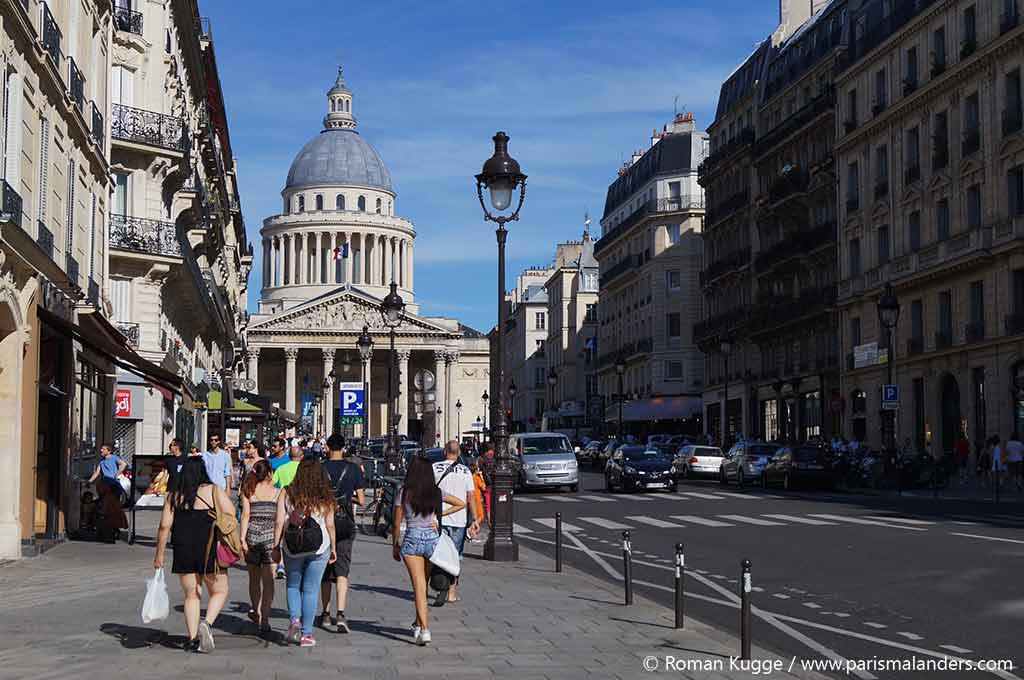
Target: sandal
(254, 617)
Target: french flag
(341, 251)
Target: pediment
(346, 310)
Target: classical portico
(328, 259)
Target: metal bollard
(558, 543)
(627, 566)
(680, 566)
(745, 610)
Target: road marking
(694, 494)
(858, 520)
(654, 522)
(781, 596)
(745, 496)
(720, 577)
(524, 499)
(704, 521)
(550, 524)
(520, 529)
(910, 636)
(753, 520)
(957, 650)
(561, 499)
(604, 523)
(596, 498)
(634, 497)
(904, 520)
(757, 589)
(988, 538)
(812, 605)
(801, 520)
(872, 624)
(842, 615)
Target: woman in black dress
(187, 519)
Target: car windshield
(545, 445)
(706, 451)
(640, 453)
(762, 450)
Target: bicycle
(376, 516)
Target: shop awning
(92, 337)
(213, 400)
(656, 408)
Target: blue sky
(577, 86)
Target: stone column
(291, 356)
(450, 380)
(403, 389)
(350, 258)
(440, 389)
(332, 277)
(315, 254)
(254, 364)
(329, 397)
(389, 261)
(265, 272)
(273, 260)
(412, 266)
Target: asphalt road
(839, 575)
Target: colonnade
(310, 258)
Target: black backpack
(303, 533)
(344, 519)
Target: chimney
(792, 15)
(683, 122)
(654, 136)
(637, 155)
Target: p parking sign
(353, 403)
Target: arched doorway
(949, 410)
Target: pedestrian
(455, 479)
(278, 454)
(218, 464)
(307, 501)
(346, 479)
(418, 504)
(961, 453)
(985, 461)
(194, 451)
(284, 474)
(188, 520)
(483, 493)
(259, 512)
(999, 456)
(110, 516)
(175, 460)
(109, 469)
(1015, 461)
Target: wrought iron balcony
(97, 126)
(72, 269)
(144, 236)
(628, 263)
(129, 331)
(725, 264)
(147, 127)
(76, 84)
(915, 346)
(128, 20)
(725, 208)
(974, 332)
(655, 206)
(968, 47)
(10, 203)
(44, 237)
(741, 141)
(789, 183)
(797, 244)
(52, 36)
(1013, 120)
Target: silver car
(546, 459)
(694, 460)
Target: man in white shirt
(455, 479)
(1015, 458)
(218, 464)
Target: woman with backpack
(259, 513)
(304, 529)
(188, 518)
(419, 504)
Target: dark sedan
(794, 465)
(634, 468)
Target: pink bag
(225, 555)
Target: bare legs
(341, 586)
(189, 587)
(261, 591)
(418, 568)
(217, 588)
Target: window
(913, 146)
(1017, 291)
(539, 345)
(44, 168)
(978, 384)
(938, 50)
(916, 320)
(851, 109)
(674, 325)
(122, 85)
(970, 31)
(942, 220)
(121, 186)
(672, 281)
(538, 408)
(910, 81)
(70, 240)
(538, 377)
(945, 317)
(672, 233)
(913, 231)
(977, 300)
(940, 141)
(379, 206)
(92, 239)
(539, 320)
(855, 257)
(883, 244)
(852, 186)
(319, 200)
(882, 163)
(1015, 190)
(855, 337)
(361, 203)
(673, 370)
(881, 91)
(339, 202)
(974, 206)
(972, 118)
(674, 191)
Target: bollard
(745, 610)
(558, 543)
(627, 566)
(680, 566)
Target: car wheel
(785, 482)
(673, 488)
(608, 483)
(721, 477)
(739, 478)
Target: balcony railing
(76, 85)
(44, 237)
(630, 262)
(655, 206)
(723, 324)
(10, 203)
(147, 127)
(144, 236)
(943, 339)
(775, 311)
(972, 142)
(1014, 323)
(741, 141)
(968, 47)
(915, 346)
(725, 264)
(975, 331)
(724, 209)
(52, 36)
(72, 269)
(98, 131)
(1009, 21)
(1013, 120)
(877, 30)
(128, 20)
(788, 184)
(130, 331)
(823, 103)
(797, 244)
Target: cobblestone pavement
(74, 612)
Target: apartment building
(526, 334)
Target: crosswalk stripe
(752, 520)
(694, 494)
(904, 520)
(550, 524)
(910, 636)
(988, 538)
(596, 498)
(801, 520)
(520, 529)
(654, 522)
(561, 499)
(858, 520)
(525, 499)
(605, 523)
(636, 497)
(872, 624)
(955, 649)
(745, 496)
(702, 521)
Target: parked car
(658, 439)
(434, 455)
(546, 459)
(793, 465)
(634, 468)
(694, 460)
(745, 462)
(589, 452)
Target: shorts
(339, 568)
(458, 536)
(419, 541)
(258, 555)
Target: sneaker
(205, 637)
(294, 632)
(423, 639)
(441, 598)
(318, 620)
(307, 641)
(341, 624)
(280, 572)
(330, 624)
(415, 633)
(191, 645)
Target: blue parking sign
(352, 403)
(890, 392)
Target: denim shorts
(419, 541)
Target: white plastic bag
(445, 555)
(155, 606)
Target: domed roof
(338, 157)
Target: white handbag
(445, 555)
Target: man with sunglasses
(218, 464)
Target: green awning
(213, 403)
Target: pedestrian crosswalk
(630, 497)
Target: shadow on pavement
(591, 599)
(641, 623)
(399, 593)
(389, 632)
(135, 637)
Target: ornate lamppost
(365, 345)
(501, 176)
(458, 418)
(391, 310)
(512, 405)
(326, 425)
(888, 317)
(227, 389)
(485, 398)
(437, 426)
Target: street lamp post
(726, 347)
(501, 176)
(888, 317)
(437, 424)
(227, 390)
(620, 371)
(326, 426)
(552, 381)
(512, 405)
(485, 397)
(391, 310)
(365, 345)
(458, 418)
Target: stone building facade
(526, 337)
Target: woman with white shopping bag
(419, 504)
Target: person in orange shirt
(482, 492)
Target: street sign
(352, 403)
(890, 397)
(351, 420)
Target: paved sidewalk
(74, 612)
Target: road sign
(351, 420)
(890, 397)
(352, 402)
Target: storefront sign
(129, 402)
(232, 437)
(123, 403)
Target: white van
(546, 459)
